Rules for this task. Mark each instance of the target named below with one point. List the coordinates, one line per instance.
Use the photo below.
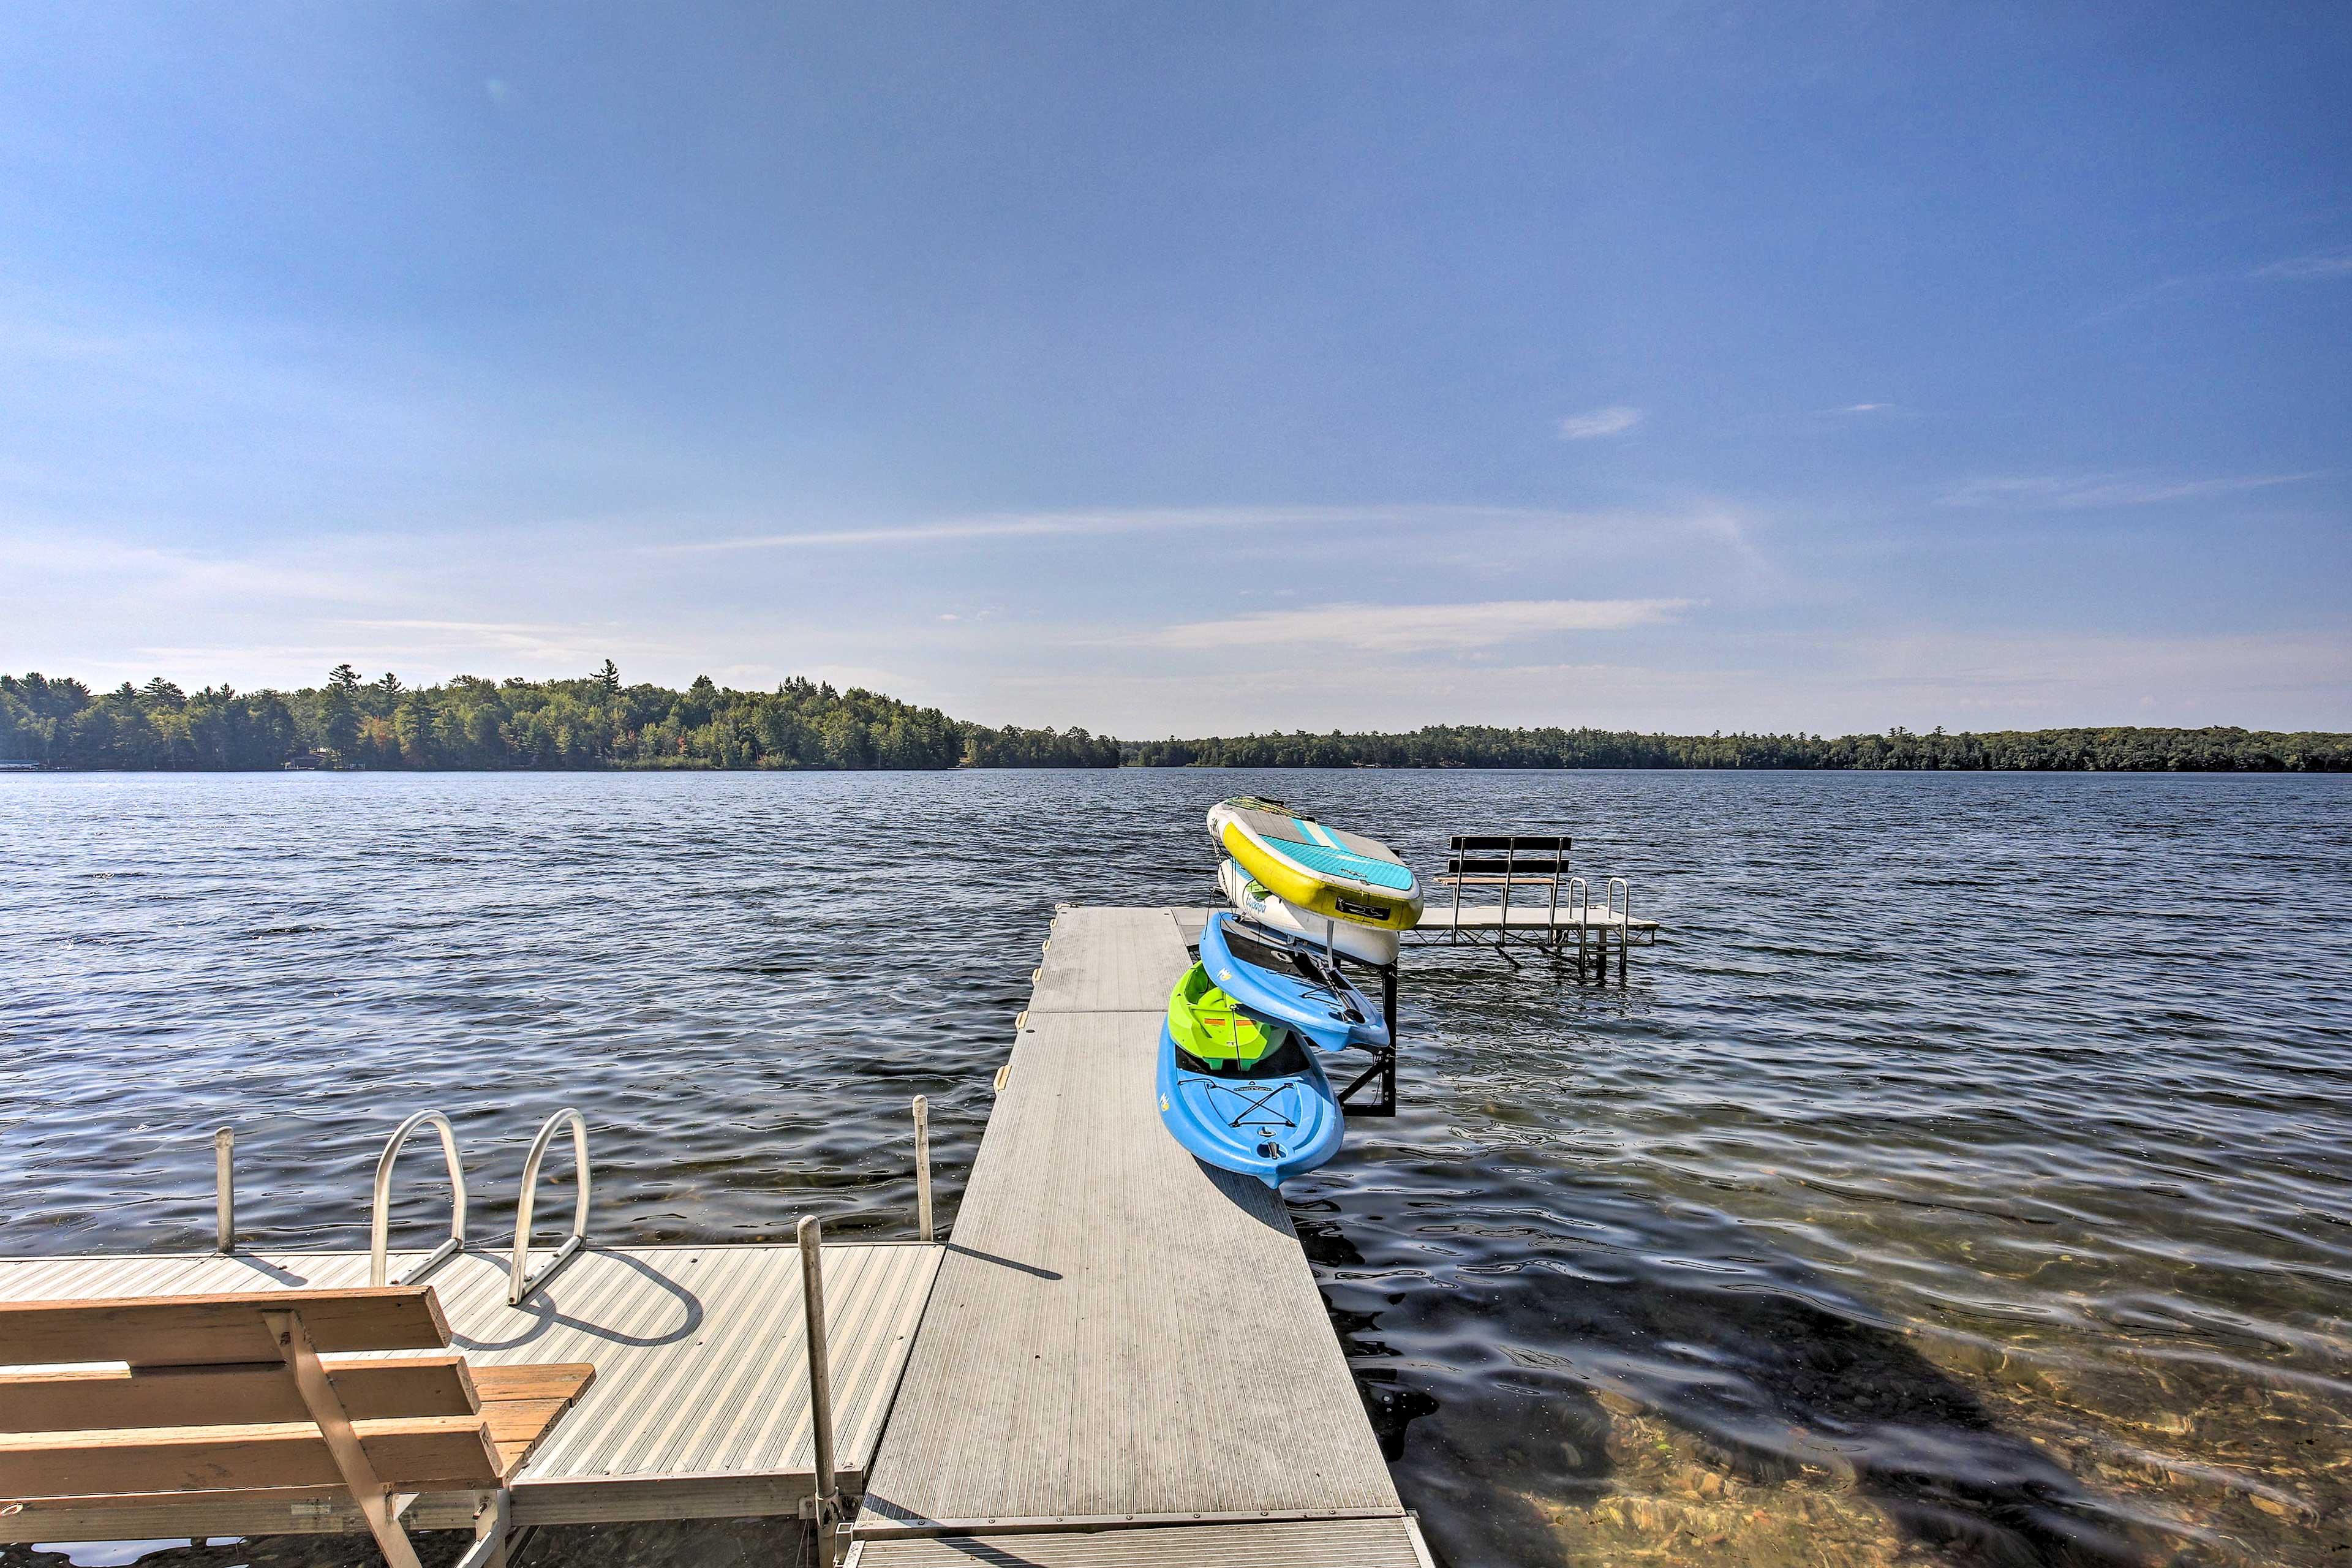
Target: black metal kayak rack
(1383, 1071)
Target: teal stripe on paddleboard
(1338, 862)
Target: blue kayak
(1289, 981)
(1272, 1119)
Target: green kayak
(1206, 1025)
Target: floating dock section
(1121, 1339)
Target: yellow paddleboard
(1310, 867)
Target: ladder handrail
(1624, 920)
(380, 1221)
(518, 1283)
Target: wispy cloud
(2086, 677)
(1867, 408)
(1111, 521)
(2080, 493)
(519, 639)
(1416, 628)
(2317, 267)
(1595, 423)
(1714, 673)
(2140, 297)
(1011, 525)
(86, 561)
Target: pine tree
(339, 718)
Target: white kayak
(1368, 944)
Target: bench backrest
(215, 1331)
(229, 1394)
(1508, 854)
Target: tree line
(596, 721)
(2118, 750)
(471, 722)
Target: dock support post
(820, 1376)
(223, 1191)
(923, 1166)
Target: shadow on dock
(545, 1319)
(1029, 1268)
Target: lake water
(1934, 1193)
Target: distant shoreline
(595, 724)
(12, 767)
(2122, 749)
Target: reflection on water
(1935, 1193)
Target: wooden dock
(1121, 1339)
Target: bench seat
(225, 1404)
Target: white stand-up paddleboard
(1248, 896)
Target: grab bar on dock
(1580, 903)
(519, 1284)
(380, 1224)
(223, 1191)
(923, 1164)
(1626, 918)
(825, 1505)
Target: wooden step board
(520, 1404)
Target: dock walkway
(1121, 1337)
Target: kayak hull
(1271, 1128)
(1317, 869)
(1333, 1014)
(1250, 897)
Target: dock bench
(246, 1404)
(700, 1405)
(1558, 907)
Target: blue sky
(1192, 369)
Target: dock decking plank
(1293, 1543)
(1107, 961)
(1118, 1330)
